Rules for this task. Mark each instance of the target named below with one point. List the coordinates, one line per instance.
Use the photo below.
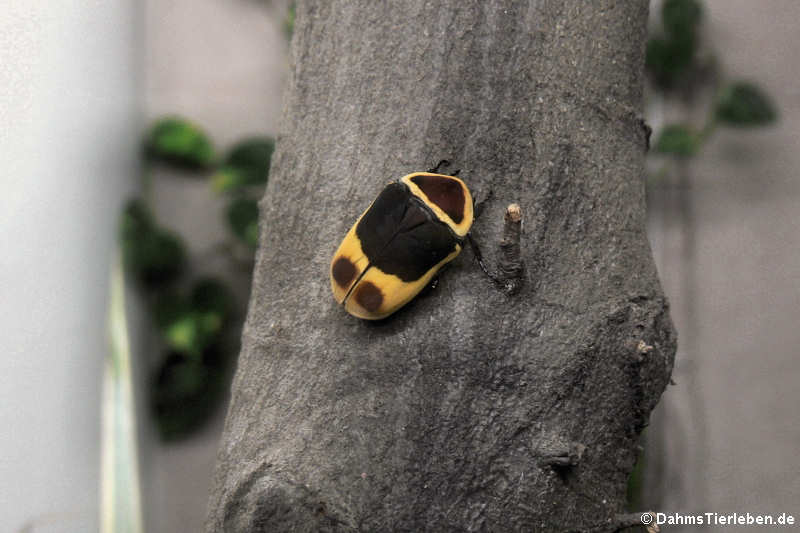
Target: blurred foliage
(676, 72)
(744, 104)
(151, 253)
(197, 320)
(176, 141)
(186, 392)
(681, 18)
(671, 54)
(679, 71)
(190, 324)
(247, 164)
(678, 140)
(243, 219)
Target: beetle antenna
(440, 164)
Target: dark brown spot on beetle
(445, 192)
(368, 296)
(343, 272)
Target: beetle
(414, 227)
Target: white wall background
(69, 115)
(78, 82)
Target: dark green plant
(179, 142)
(743, 104)
(679, 140)
(196, 320)
(675, 71)
(246, 165)
(243, 219)
(185, 392)
(152, 254)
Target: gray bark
(469, 409)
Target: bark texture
(470, 409)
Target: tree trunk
(469, 409)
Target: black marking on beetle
(401, 236)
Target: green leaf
(243, 220)
(743, 104)
(678, 140)
(184, 394)
(191, 326)
(184, 376)
(192, 332)
(670, 57)
(179, 142)
(247, 164)
(184, 334)
(168, 308)
(210, 295)
(163, 257)
(151, 254)
(155, 258)
(668, 60)
(136, 220)
(681, 18)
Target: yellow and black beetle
(415, 226)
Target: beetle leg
(479, 258)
